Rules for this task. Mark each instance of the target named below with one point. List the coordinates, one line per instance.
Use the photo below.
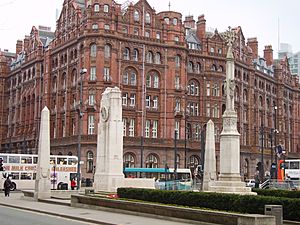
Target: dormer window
(136, 16)
(175, 21)
(105, 8)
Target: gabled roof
(191, 37)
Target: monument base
(108, 182)
(42, 195)
(231, 184)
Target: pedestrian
(7, 186)
(256, 180)
(73, 184)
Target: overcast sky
(258, 18)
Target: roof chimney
(268, 55)
(19, 46)
(253, 44)
(189, 22)
(201, 27)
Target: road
(10, 216)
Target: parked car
(250, 183)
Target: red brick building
(171, 74)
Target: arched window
(107, 51)
(136, 16)
(177, 61)
(135, 55)
(93, 50)
(152, 161)
(96, 8)
(190, 67)
(148, 80)
(214, 67)
(105, 8)
(125, 78)
(260, 102)
(90, 162)
(147, 18)
(157, 58)
(221, 69)
(155, 81)
(128, 160)
(245, 96)
(149, 57)
(197, 68)
(126, 54)
(133, 78)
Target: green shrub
(277, 193)
(218, 201)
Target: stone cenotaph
(109, 163)
(42, 182)
(230, 178)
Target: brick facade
(171, 74)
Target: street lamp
(262, 153)
(80, 115)
(175, 158)
(275, 138)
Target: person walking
(7, 186)
(73, 184)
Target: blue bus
(165, 178)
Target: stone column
(109, 163)
(42, 182)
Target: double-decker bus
(165, 178)
(22, 170)
(290, 167)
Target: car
(250, 183)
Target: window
(93, 50)
(197, 68)
(193, 161)
(155, 81)
(147, 18)
(148, 81)
(147, 128)
(133, 78)
(106, 74)
(176, 39)
(177, 82)
(214, 67)
(157, 58)
(177, 61)
(167, 20)
(136, 16)
(125, 30)
(177, 105)
(136, 31)
(208, 89)
(96, 8)
(105, 8)
(216, 111)
(147, 33)
(155, 102)
(148, 101)
(124, 99)
(90, 162)
(106, 27)
(158, 35)
(154, 129)
(207, 109)
(219, 51)
(175, 21)
(93, 73)
(124, 126)
(95, 26)
(126, 54)
(125, 78)
(135, 55)
(177, 129)
(216, 90)
(128, 160)
(190, 67)
(91, 125)
(107, 51)
(91, 98)
(212, 50)
(131, 128)
(149, 57)
(132, 100)
(151, 161)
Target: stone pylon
(42, 182)
(230, 178)
(209, 175)
(109, 163)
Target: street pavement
(61, 208)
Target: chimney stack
(201, 27)
(189, 22)
(253, 44)
(26, 42)
(268, 55)
(19, 46)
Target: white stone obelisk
(209, 175)
(42, 182)
(109, 163)
(230, 178)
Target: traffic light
(1, 165)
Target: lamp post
(80, 114)
(262, 153)
(175, 155)
(275, 138)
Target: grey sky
(258, 18)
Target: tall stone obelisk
(42, 182)
(230, 178)
(109, 163)
(209, 176)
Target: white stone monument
(209, 175)
(230, 179)
(42, 182)
(109, 163)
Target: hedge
(277, 193)
(254, 204)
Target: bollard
(274, 210)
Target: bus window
(26, 176)
(62, 161)
(52, 161)
(35, 160)
(26, 159)
(294, 165)
(4, 158)
(14, 159)
(15, 176)
(72, 161)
